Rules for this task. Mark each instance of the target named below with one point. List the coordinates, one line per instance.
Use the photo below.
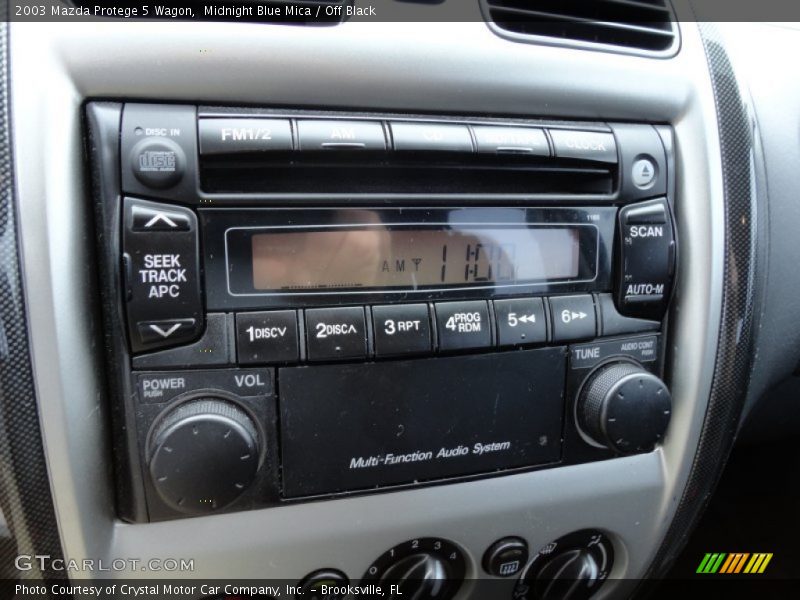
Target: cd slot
(345, 171)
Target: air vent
(631, 26)
(289, 12)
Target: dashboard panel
(348, 303)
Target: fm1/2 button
(463, 325)
(401, 329)
(336, 333)
(267, 337)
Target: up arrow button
(149, 219)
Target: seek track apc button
(161, 257)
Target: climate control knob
(203, 454)
(420, 576)
(624, 407)
(419, 569)
(572, 567)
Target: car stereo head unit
(301, 305)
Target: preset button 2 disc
(336, 333)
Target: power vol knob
(624, 407)
(203, 454)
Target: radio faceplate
(452, 303)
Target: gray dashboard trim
(28, 523)
(384, 66)
(743, 294)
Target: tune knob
(624, 407)
(203, 454)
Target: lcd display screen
(375, 258)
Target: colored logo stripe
(721, 562)
(711, 563)
(734, 563)
(758, 563)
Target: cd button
(431, 136)
(336, 333)
(573, 318)
(267, 337)
(520, 321)
(401, 329)
(463, 325)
